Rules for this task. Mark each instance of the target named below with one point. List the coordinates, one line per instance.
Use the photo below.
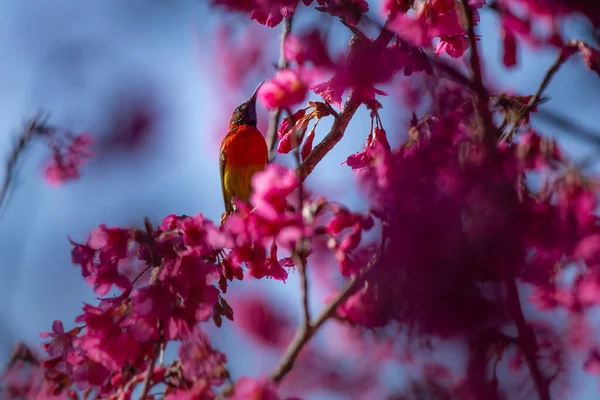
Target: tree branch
(342, 120)
(149, 371)
(481, 96)
(276, 114)
(306, 331)
(526, 339)
(552, 70)
(331, 139)
(299, 254)
(35, 126)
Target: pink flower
(263, 389)
(112, 338)
(591, 57)
(308, 47)
(87, 373)
(377, 145)
(436, 19)
(270, 190)
(368, 65)
(349, 10)
(24, 377)
(536, 152)
(360, 308)
(186, 277)
(288, 122)
(293, 137)
(266, 12)
(308, 145)
(200, 390)
(588, 249)
(394, 7)
(62, 342)
(285, 90)
(258, 318)
(200, 361)
(592, 363)
(65, 163)
(99, 259)
(111, 243)
(331, 91)
(133, 118)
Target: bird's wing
(226, 197)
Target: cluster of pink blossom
(117, 342)
(471, 217)
(66, 160)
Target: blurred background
(154, 83)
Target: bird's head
(245, 113)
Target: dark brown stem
(526, 339)
(32, 128)
(299, 254)
(300, 261)
(306, 331)
(560, 59)
(480, 95)
(331, 139)
(148, 377)
(276, 114)
(341, 122)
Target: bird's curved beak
(252, 100)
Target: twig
(299, 254)
(554, 67)
(331, 139)
(148, 378)
(32, 128)
(276, 114)
(301, 263)
(341, 122)
(306, 332)
(526, 339)
(481, 96)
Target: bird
(243, 153)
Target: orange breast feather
(243, 153)
(245, 146)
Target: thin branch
(331, 139)
(301, 263)
(306, 332)
(526, 339)
(276, 114)
(35, 126)
(552, 70)
(148, 377)
(299, 254)
(481, 96)
(343, 119)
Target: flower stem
(276, 114)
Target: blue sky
(70, 57)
